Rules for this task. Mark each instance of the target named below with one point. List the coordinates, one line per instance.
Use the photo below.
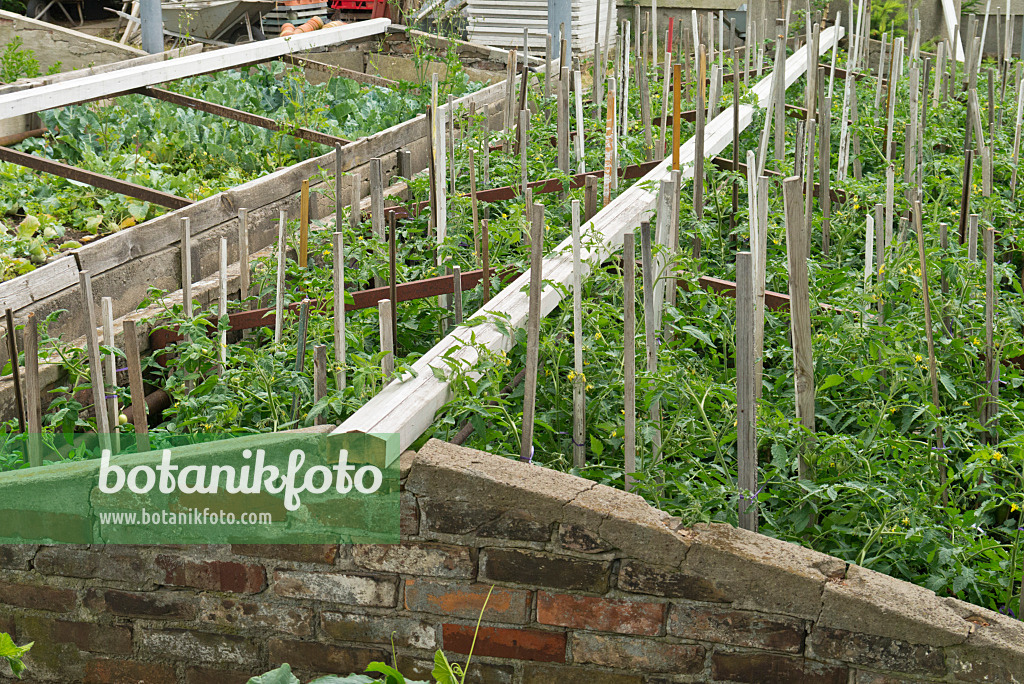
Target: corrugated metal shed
(500, 23)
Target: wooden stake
(95, 364)
(340, 343)
(677, 142)
(304, 223)
(965, 193)
(243, 254)
(645, 111)
(651, 326)
(579, 381)
(300, 351)
(944, 283)
(581, 166)
(1016, 133)
(355, 198)
(824, 174)
(222, 304)
(485, 240)
(377, 199)
(532, 339)
(110, 369)
(746, 408)
(33, 399)
(991, 411)
(524, 162)
(12, 350)
(780, 101)
(800, 308)
(665, 86)
(136, 386)
(319, 378)
(562, 127)
(393, 277)
(282, 250)
(186, 266)
(881, 70)
(609, 143)
(457, 292)
(387, 344)
(590, 198)
(972, 237)
(698, 142)
(629, 354)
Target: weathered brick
(153, 605)
(600, 614)
(123, 564)
(317, 657)
(517, 525)
(882, 653)
(535, 673)
(479, 672)
(545, 569)
(580, 539)
(636, 655)
(300, 553)
(127, 672)
(240, 578)
(41, 598)
(357, 590)
(456, 517)
(639, 578)
(199, 647)
(467, 600)
(261, 615)
(736, 627)
(210, 675)
(766, 668)
(434, 560)
(379, 629)
(865, 677)
(17, 556)
(409, 516)
(501, 642)
(85, 636)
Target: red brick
(635, 654)
(435, 560)
(501, 642)
(113, 563)
(41, 598)
(317, 657)
(766, 668)
(736, 627)
(301, 553)
(230, 576)
(154, 605)
(545, 569)
(600, 614)
(197, 647)
(209, 675)
(128, 672)
(86, 636)
(260, 615)
(467, 600)
(380, 629)
(358, 590)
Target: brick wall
(591, 586)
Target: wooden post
(473, 202)
(625, 82)
(780, 100)
(304, 223)
(890, 198)
(929, 336)
(698, 142)
(965, 193)
(760, 270)
(319, 378)
(222, 308)
(300, 351)
(589, 198)
(1016, 133)
(33, 400)
(393, 276)
(579, 381)
(243, 254)
(95, 364)
(746, 408)
(972, 237)
(110, 369)
(665, 88)
(532, 340)
(581, 166)
(340, 343)
(944, 283)
(825, 174)
(800, 308)
(355, 196)
(645, 111)
(547, 67)
(136, 386)
(524, 160)
(869, 252)
(562, 126)
(450, 140)
(457, 293)
(677, 78)
(377, 199)
(387, 344)
(186, 266)
(629, 354)
(609, 143)
(651, 325)
(991, 410)
(485, 248)
(282, 249)
(12, 349)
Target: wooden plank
(532, 338)
(629, 355)
(746, 416)
(352, 75)
(579, 381)
(408, 408)
(38, 284)
(799, 308)
(126, 80)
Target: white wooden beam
(125, 80)
(949, 13)
(407, 406)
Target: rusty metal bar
(239, 115)
(97, 180)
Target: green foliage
(13, 654)
(888, 16)
(16, 62)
